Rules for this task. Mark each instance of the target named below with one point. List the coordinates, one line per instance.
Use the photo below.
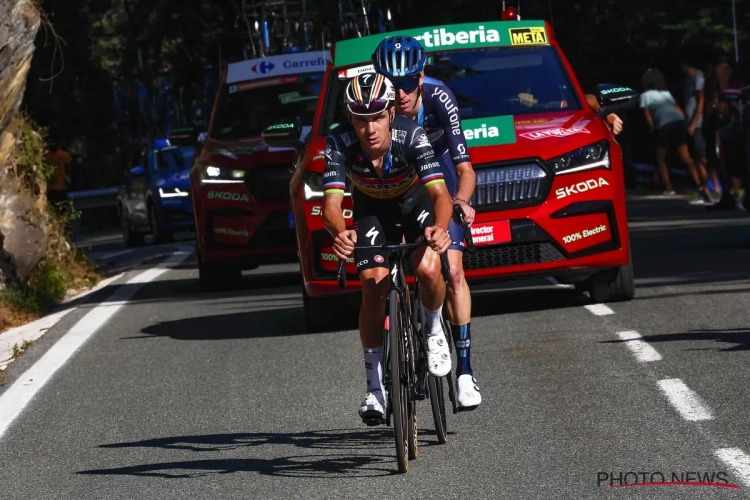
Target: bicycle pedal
(372, 421)
(467, 408)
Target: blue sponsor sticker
(291, 219)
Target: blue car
(155, 198)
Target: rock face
(23, 227)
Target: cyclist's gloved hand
(468, 211)
(343, 243)
(438, 238)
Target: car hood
(544, 135)
(246, 153)
(176, 179)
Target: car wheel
(613, 285)
(160, 234)
(130, 237)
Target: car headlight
(313, 186)
(211, 174)
(586, 158)
(172, 192)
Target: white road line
(640, 348)
(15, 399)
(599, 309)
(736, 460)
(685, 401)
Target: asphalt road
(183, 394)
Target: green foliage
(30, 148)
(48, 282)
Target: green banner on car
(449, 37)
(491, 131)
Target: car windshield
(174, 158)
(486, 83)
(245, 109)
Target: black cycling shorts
(386, 221)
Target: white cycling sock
(432, 320)
(374, 368)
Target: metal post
(736, 46)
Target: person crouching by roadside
(667, 120)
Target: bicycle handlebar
(395, 247)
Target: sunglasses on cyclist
(374, 109)
(407, 86)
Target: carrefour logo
(263, 67)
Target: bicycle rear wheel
(437, 401)
(399, 390)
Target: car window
(173, 159)
(244, 110)
(486, 83)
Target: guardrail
(98, 209)
(94, 198)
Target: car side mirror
(138, 171)
(613, 98)
(284, 134)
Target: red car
(239, 186)
(550, 195)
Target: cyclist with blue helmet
(433, 106)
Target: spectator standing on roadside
(667, 121)
(693, 101)
(57, 186)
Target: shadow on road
(377, 444)
(279, 322)
(740, 337)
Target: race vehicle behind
(240, 187)
(154, 197)
(549, 195)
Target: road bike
(405, 353)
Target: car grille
(511, 186)
(514, 254)
(269, 183)
(274, 232)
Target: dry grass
(12, 315)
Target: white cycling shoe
(438, 355)
(468, 392)
(373, 407)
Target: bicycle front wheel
(437, 401)
(399, 390)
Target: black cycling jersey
(441, 121)
(410, 158)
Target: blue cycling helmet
(399, 57)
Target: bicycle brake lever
(467, 232)
(342, 274)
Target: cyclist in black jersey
(432, 105)
(398, 189)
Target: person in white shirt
(666, 119)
